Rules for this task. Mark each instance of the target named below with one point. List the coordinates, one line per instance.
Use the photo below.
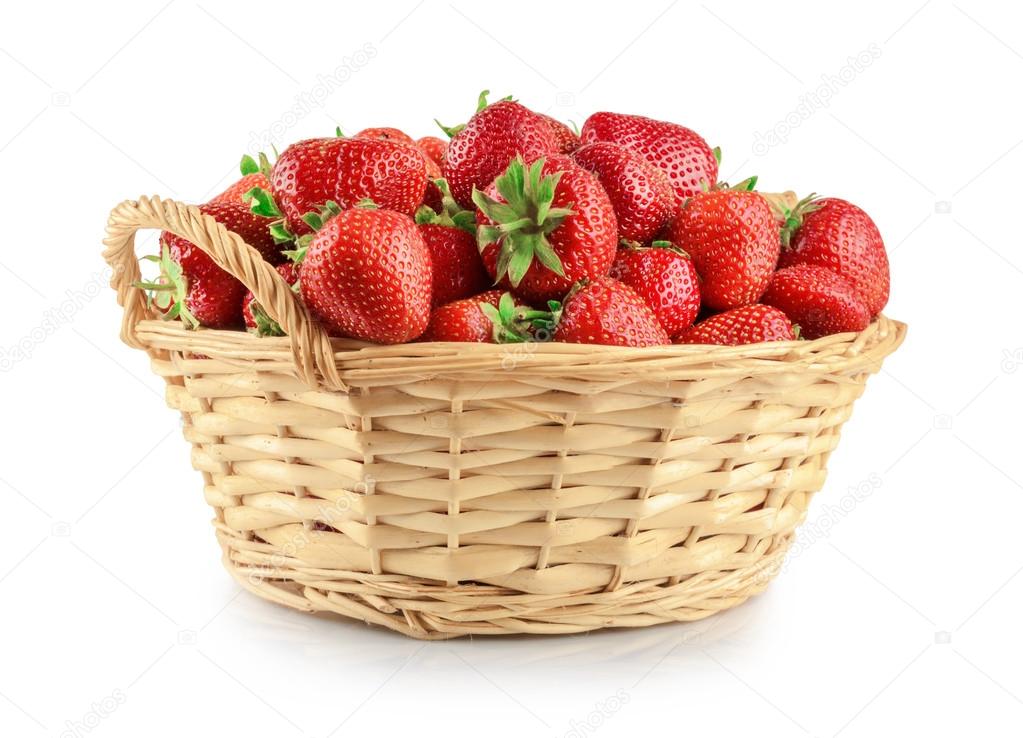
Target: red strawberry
(640, 192)
(546, 227)
(566, 138)
(367, 275)
(236, 192)
(432, 196)
(254, 315)
(818, 299)
(254, 174)
(836, 234)
(734, 240)
(607, 312)
(490, 317)
(434, 148)
(747, 324)
(254, 230)
(191, 284)
(689, 162)
(387, 134)
(302, 180)
(481, 150)
(463, 320)
(450, 234)
(393, 175)
(666, 280)
(344, 170)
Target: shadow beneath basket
(259, 621)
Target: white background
(900, 611)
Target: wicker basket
(445, 489)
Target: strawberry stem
(451, 214)
(792, 218)
(481, 103)
(515, 323)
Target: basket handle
(310, 345)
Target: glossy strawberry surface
(747, 324)
(680, 152)
(566, 138)
(640, 192)
(367, 274)
(392, 175)
(305, 177)
(387, 134)
(433, 147)
(235, 192)
(458, 271)
(666, 281)
(462, 320)
(607, 312)
(734, 240)
(818, 300)
(432, 196)
(489, 141)
(840, 236)
(346, 170)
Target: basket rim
(841, 353)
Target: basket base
(433, 611)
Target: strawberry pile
(520, 229)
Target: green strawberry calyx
(261, 202)
(170, 290)
(265, 325)
(315, 219)
(519, 323)
(260, 165)
(747, 185)
(451, 214)
(792, 218)
(481, 102)
(523, 221)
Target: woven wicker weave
(446, 489)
